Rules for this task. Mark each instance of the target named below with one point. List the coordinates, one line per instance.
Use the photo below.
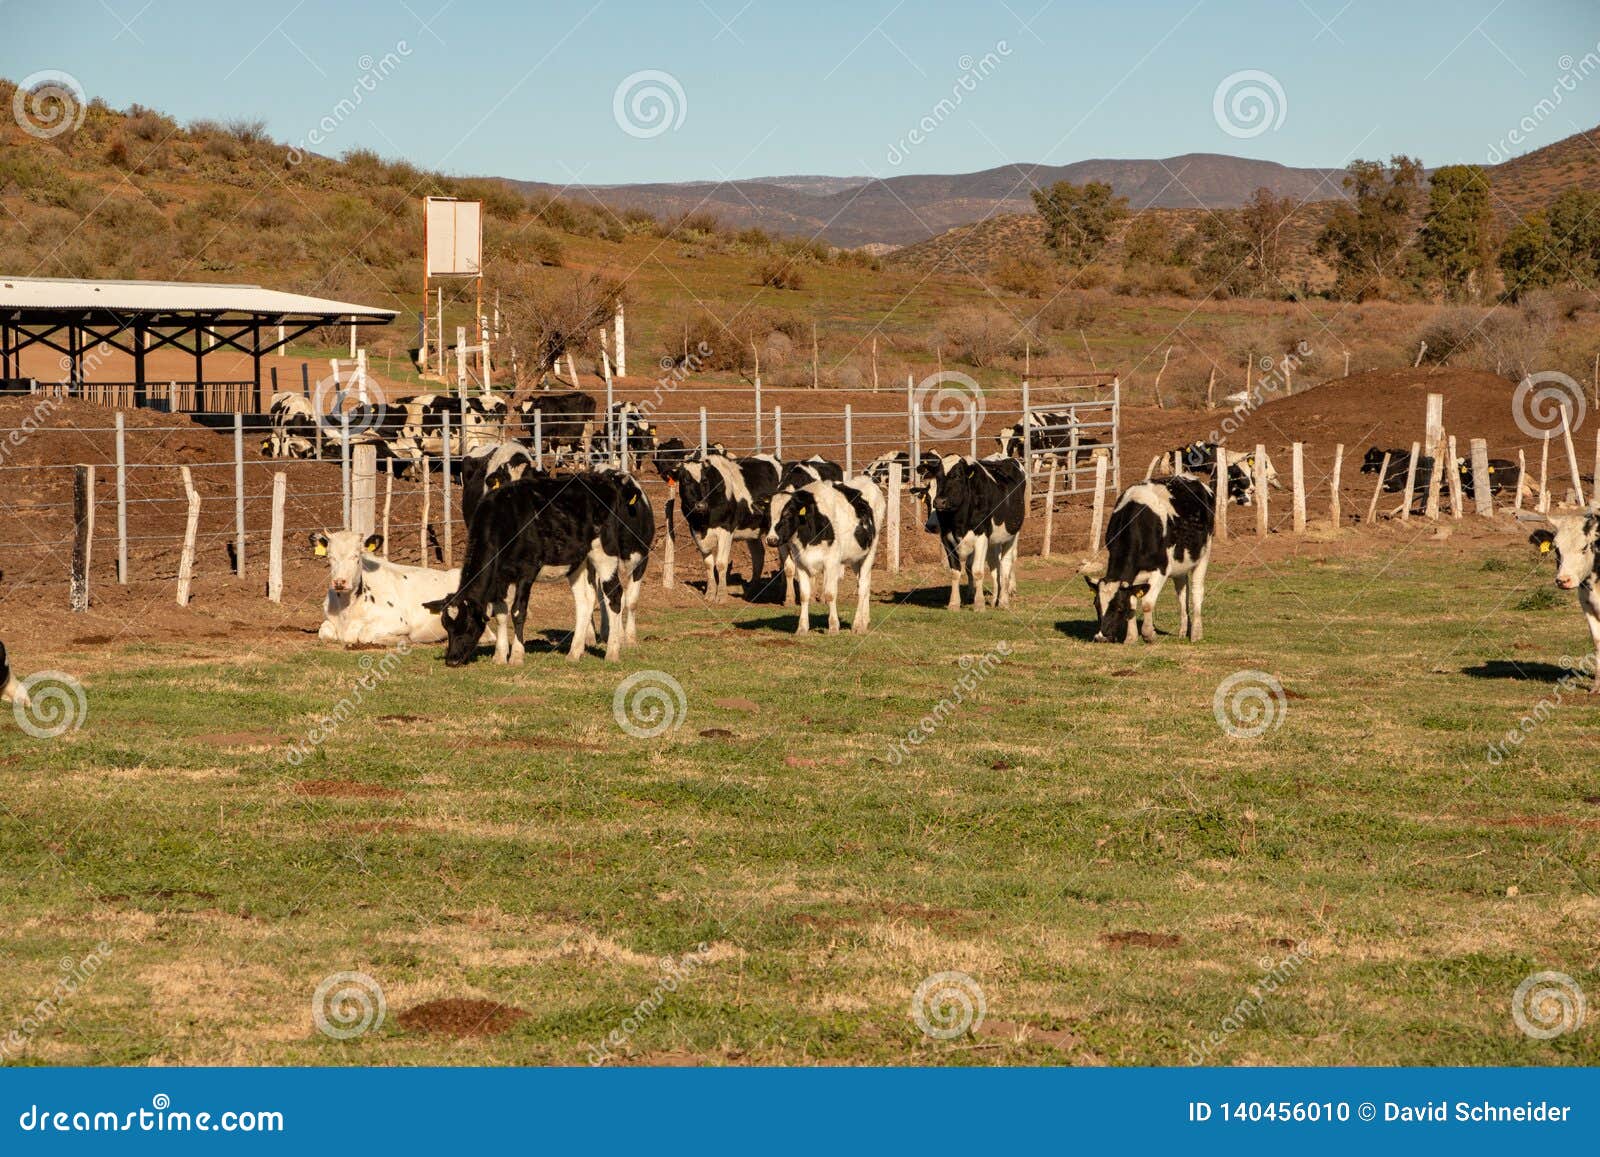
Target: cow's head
(1372, 462)
(1573, 539)
(797, 516)
(11, 690)
(699, 485)
(344, 550)
(1117, 606)
(463, 621)
(779, 502)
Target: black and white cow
(563, 419)
(1394, 478)
(1575, 541)
(413, 427)
(1200, 458)
(1504, 475)
(976, 507)
(724, 500)
(827, 528)
(373, 600)
(878, 468)
(795, 475)
(808, 470)
(1049, 432)
(1159, 530)
(489, 467)
(535, 530)
(618, 565)
(11, 689)
(671, 454)
(293, 432)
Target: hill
(905, 209)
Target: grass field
(1079, 836)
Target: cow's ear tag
(802, 513)
(634, 500)
(319, 550)
(1544, 548)
(372, 548)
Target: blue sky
(838, 87)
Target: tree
(1367, 235)
(546, 316)
(1148, 241)
(1457, 236)
(1079, 219)
(1224, 263)
(1528, 258)
(1575, 234)
(1262, 221)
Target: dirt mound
(460, 1016)
(65, 432)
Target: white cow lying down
(373, 600)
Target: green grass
(530, 852)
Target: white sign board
(454, 232)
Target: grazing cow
(293, 432)
(1159, 529)
(373, 600)
(535, 530)
(11, 689)
(1394, 479)
(827, 528)
(724, 500)
(618, 565)
(490, 467)
(976, 507)
(563, 418)
(1575, 541)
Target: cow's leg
(830, 587)
(758, 563)
(582, 612)
(788, 579)
(1008, 567)
(803, 576)
(502, 627)
(630, 603)
(1147, 627)
(1180, 588)
(1590, 602)
(724, 562)
(863, 615)
(519, 619)
(1197, 597)
(611, 596)
(979, 557)
(710, 560)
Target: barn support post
(893, 516)
(122, 498)
(1261, 490)
(1482, 484)
(1433, 447)
(1298, 480)
(199, 369)
(280, 485)
(849, 442)
(344, 464)
(1097, 519)
(255, 367)
(83, 534)
(1334, 513)
(1411, 482)
(1544, 476)
(444, 490)
(190, 530)
(140, 390)
(1572, 454)
(238, 494)
(777, 432)
(911, 420)
(1049, 511)
(1455, 482)
(1219, 495)
(364, 492)
(1377, 491)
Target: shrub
(1452, 332)
(978, 336)
(1029, 274)
(780, 271)
(247, 132)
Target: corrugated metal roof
(47, 293)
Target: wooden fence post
(444, 487)
(1433, 447)
(669, 560)
(849, 442)
(344, 464)
(190, 531)
(1544, 476)
(702, 431)
(972, 427)
(1334, 513)
(893, 515)
(83, 534)
(1261, 491)
(1219, 493)
(1482, 484)
(364, 492)
(1049, 511)
(777, 432)
(1455, 481)
(280, 483)
(1411, 481)
(1298, 479)
(1572, 455)
(1377, 491)
(122, 499)
(1522, 482)
(427, 500)
(1097, 519)
(238, 494)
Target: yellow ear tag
(802, 513)
(320, 550)
(634, 501)
(372, 548)
(1544, 548)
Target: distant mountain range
(854, 211)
